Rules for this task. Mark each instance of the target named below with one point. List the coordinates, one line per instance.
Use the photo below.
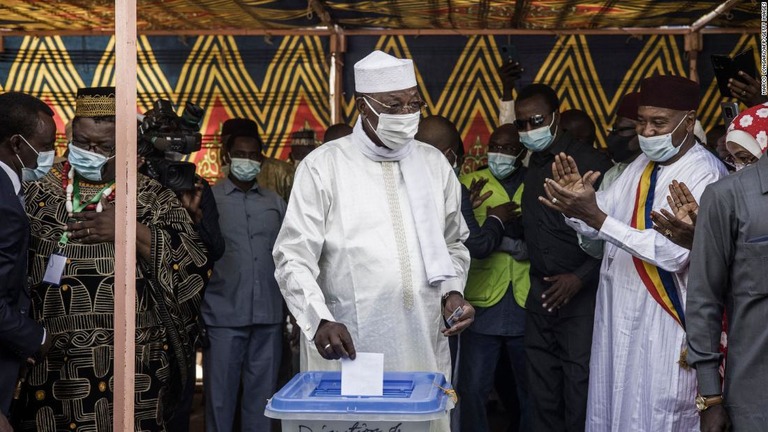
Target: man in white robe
(639, 380)
(370, 255)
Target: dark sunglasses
(534, 120)
(617, 131)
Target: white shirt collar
(13, 176)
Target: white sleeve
(506, 111)
(649, 245)
(298, 248)
(456, 232)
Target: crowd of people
(605, 286)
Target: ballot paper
(363, 376)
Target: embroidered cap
(95, 102)
(379, 72)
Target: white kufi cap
(379, 72)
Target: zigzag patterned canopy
(196, 15)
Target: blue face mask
(44, 164)
(660, 148)
(539, 139)
(87, 163)
(244, 169)
(502, 165)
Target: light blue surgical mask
(244, 169)
(538, 139)
(87, 163)
(660, 148)
(501, 165)
(44, 164)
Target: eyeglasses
(534, 120)
(397, 108)
(244, 155)
(619, 131)
(503, 149)
(105, 149)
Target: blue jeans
(479, 356)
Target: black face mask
(618, 147)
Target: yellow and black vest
(489, 278)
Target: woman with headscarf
(747, 136)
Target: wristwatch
(448, 294)
(702, 403)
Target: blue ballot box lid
(314, 395)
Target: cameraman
(164, 138)
(201, 206)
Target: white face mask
(395, 130)
(660, 148)
(44, 164)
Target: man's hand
(43, 351)
(5, 426)
(682, 202)
(747, 90)
(190, 200)
(475, 188)
(715, 419)
(563, 288)
(333, 341)
(454, 301)
(93, 227)
(678, 228)
(509, 72)
(507, 212)
(571, 193)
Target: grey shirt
(242, 290)
(728, 273)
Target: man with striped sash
(639, 377)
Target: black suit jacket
(20, 335)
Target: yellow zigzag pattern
(45, 69)
(570, 70)
(215, 70)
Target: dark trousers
(241, 355)
(478, 359)
(558, 350)
(180, 420)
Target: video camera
(164, 138)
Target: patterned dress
(72, 389)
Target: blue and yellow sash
(660, 283)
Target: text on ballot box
(312, 402)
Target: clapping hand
(571, 193)
(677, 227)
